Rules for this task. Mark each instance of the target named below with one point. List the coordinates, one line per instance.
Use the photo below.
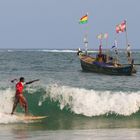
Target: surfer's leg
(16, 101)
(24, 104)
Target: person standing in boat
(129, 54)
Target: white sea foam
(69, 51)
(46, 50)
(94, 103)
(6, 100)
(6, 104)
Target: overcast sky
(53, 24)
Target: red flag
(121, 27)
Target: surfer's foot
(26, 114)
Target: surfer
(19, 98)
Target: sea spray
(6, 100)
(6, 103)
(82, 101)
(93, 103)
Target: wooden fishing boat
(104, 63)
(91, 64)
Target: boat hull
(106, 69)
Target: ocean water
(78, 105)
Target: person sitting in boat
(104, 58)
(79, 51)
(101, 58)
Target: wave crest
(93, 103)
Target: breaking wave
(93, 103)
(76, 101)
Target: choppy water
(73, 100)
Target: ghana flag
(84, 19)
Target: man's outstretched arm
(30, 82)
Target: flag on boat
(84, 19)
(105, 35)
(113, 46)
(102, 36)
(121, 27)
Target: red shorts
(21, 100)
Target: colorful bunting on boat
(105, 36)
(102, 36)
(121, 27)
(84, 19)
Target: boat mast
(126, 36)
(84, 20)
(107, 49)
(116, 51)
(86, 37)
(100, 37)
(128, 47)
(86, 43)
(100, 47)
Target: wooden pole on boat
(86, 43)
(84, 20)
(107, 49)
(116, 50)
(86, 37)
(129, 58)
(126, 35)
(100, 37)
